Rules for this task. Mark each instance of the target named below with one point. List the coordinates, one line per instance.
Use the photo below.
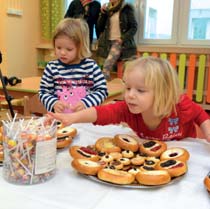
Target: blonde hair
(77, 30)
(162, 78)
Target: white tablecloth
(69, 190)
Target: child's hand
(60, 106)
(79, 106)
(64, 118)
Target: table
(30, 86)
(69, 190)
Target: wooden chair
(33, 106)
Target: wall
(19, 36)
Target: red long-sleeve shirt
(175, 127)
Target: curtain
(52, 11)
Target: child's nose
(63, 51)
(131, 93)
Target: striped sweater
(87, 74)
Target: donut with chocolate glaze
(126, 142)
(175, 153)
(153, 148)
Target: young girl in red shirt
(153, 107)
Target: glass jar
(29, 150)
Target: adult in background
(88, 10)
(117, 26)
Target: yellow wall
(19, 36)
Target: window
(171, 22)
(174, 22)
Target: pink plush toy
(71, 96)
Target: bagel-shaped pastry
(66, 131)
(153, 148)
(175, 153)
(85, 166)
(116, 176)
(207, 182)
(106, 144)
(153, 178)
(174, 167)
(65, 136)
(64, 142)
(1, 153)
(83, 153)
(126, 142)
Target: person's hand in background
(60, 106)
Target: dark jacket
(76, 10)
(128, 28)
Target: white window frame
(184, 32)
(179, 29)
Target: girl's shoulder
(89, 62)
(186, 108)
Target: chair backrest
(32, 105)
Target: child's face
(138, 97)
(66, 50)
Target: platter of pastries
(123, 161)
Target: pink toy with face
(71, 96)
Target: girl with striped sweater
(73, 68)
